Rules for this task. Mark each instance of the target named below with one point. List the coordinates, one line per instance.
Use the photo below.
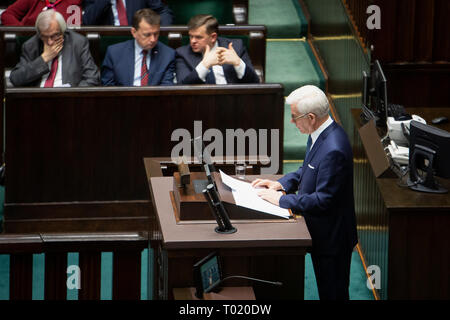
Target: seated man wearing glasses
(55, 56)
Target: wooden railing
(126, 248)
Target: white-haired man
(55, 56)
(324, 186)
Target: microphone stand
(218, 210)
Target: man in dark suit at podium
(211, 59)
(324, 186)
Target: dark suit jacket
(325, 192)
(187, 60)
(118, 65)
(99, 12)
(78, 67)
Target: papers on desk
(246, 196)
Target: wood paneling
(411, 30)
(77, 154)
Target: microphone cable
(276, 283)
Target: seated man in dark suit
(212, 59)
(142, 61)
(55, 56)
(121, 12)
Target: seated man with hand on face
(55, 56)
(143, 61)
(211, 59)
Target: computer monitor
(374, 97)
(207, 274)
(429, 156)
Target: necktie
(51, 77)
(210, 78)
(122, 12)
(144, 70)
(308, 146)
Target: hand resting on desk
(271, 193)
(266, 183)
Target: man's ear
(213, 37)
(133, 32)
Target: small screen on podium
(207, 274)
(210, 273)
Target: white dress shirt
(58, 79)
(219, 75)
(319, 130)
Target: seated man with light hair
(55, 56)
(322, 191)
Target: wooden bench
(254, 37)
(11, 39)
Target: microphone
(218, 210)
(275, 283)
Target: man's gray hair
(45, 18)
(309, 99)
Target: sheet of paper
(246, 196)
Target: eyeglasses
(299, 117)
(53, 37)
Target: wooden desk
(402, 231)
(272, 251)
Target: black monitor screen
(429, 150)
(379, 93)
(374, 97)
(210, 274)
(207, 274)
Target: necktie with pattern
(51, 77)
(308, 146)
(144, 69)
(122, 12)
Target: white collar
(215, 46)
(319, 130)
(137, 48)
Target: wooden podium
(227, 293)
(267, 249)
(189, 204)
